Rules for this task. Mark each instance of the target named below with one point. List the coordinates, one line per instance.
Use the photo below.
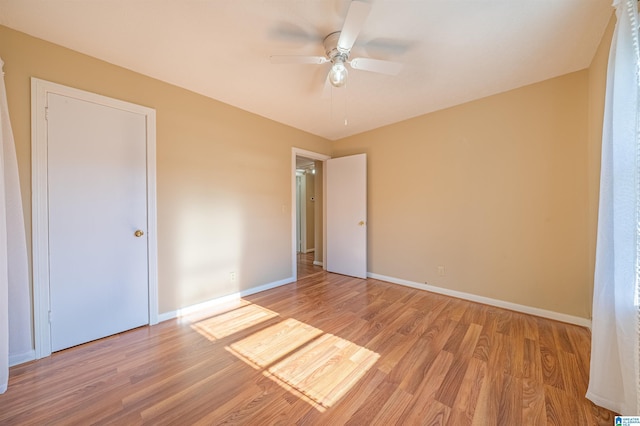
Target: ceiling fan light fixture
(337, 47)
(338, 73)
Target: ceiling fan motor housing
(332, 50)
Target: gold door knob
(138, 233)
(361, 223)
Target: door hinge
(46, 113)
(49, 317)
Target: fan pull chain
(334, 113)
(346, 121)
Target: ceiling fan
(337, 46)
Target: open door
(346, 204)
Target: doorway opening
(307, 213)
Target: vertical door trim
(40, 204)
(299, 213)
(301, 196)
(295, 152)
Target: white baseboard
(16, 359)
(318, 263)
(487, 301)
(311, 250)
(221, 301)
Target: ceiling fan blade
(357, 14)
(387, 46)
(376, 65)
(285, 31)
(297, 59)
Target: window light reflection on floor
(270, 344)
(227, 323)
(317, 367)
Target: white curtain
(14, 284)
(615, 352)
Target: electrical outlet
(441, 271)
(232, 276)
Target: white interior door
(346, 218)
(97, 195)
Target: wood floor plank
(412, 321)
(393, 408)
(327, 349)
(510, 406)
(581, 343)
(533, 402)
(504, 321)
(530, 327)
(455, 339)
(448, 391)
(563, 343)
(484, 414)
(467, 397)
(414, 367)
(532, 362)
(571, 375)
(436, 414)
(345, 409)
(483, 346)
(399, 345)
(418, 409)
(551, 371)
(556, 403)
(369, 409)
(457, 308)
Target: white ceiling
(454, 51)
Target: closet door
(97, 196)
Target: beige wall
(223, 175)
(597, 86)
(495, 190)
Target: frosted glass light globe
(338, 74)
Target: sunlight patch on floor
(317, 365)
(268, 345)
(227, 323)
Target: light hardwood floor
(305, 265)
(327, 350)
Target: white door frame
(295, 152)
(39, 200)
(301, 213)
